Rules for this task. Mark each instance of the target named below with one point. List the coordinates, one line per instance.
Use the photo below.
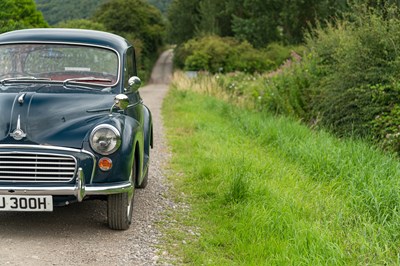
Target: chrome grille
(34, 167)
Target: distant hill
(55, 11)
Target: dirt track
(78, 234)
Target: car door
(135, 108)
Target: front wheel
(119, 211)
(120, 206)
(145, 180)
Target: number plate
(26, 203)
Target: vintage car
(73, 126)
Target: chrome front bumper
(79, 189)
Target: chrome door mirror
(134, 83)
(121, 101)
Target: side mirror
(134, 83)
(121, 101)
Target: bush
(361, 65)
(221, 54)
(81, 24)
(279, 53)
(348, 80)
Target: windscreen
(59, 62)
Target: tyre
(146, 175)
(145, 180)
(119, 211)
(120, 206)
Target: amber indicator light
(105, 164)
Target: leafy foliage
(56, 11)
(226, 54)
(259, 22)
(20, 14)
(299, 16)
(348, 81)
(162, 5)
(133, 17)
(360, 63)
(140, 23)
(82, 24)
(217, 54)
(183, 17)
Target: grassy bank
(269, 191)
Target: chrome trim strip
(18, 133)
(79, 190)
(133, 105)
(80, 186)
(67, 190)
(39, 173)
(38, 163)
(40, 167)
(70, 190)
(21, 98)
(78, 44)
(63, 158)
(45, 147)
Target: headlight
(105, 139)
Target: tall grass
(269, 191)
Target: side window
(129, 66)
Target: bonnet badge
(18, 133)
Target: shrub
(346, 81)
(386, 128)
(278, 53)
(221, 54)
(360, 64)
(81, 24)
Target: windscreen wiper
(75, 82)
(22, 79)
(85, 80)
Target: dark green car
(73, 125)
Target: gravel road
(78, 234)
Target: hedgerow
(348, 81)
(221, 55)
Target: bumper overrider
(79, 186)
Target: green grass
(269, 191)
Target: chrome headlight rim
(114, 130)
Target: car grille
(33, 167)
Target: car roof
(76, 36)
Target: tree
(214, 18)
(20, 14)
(298, 16)
(82, 24)
(161, 4)
(258, 21)
(134, 18)
(183, 16)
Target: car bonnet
(51, 119)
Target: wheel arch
(138, 160)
